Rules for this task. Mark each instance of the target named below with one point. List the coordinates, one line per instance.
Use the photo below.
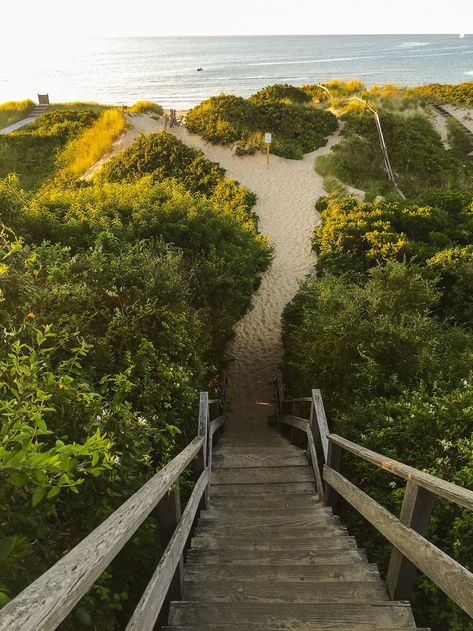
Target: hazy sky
(67, 18)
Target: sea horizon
(121, 70)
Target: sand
(287, 191)
(463, 114)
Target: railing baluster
(201, 460)
(415, 513)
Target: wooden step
(296, 518)
(215, 542)
(286, 573)
(294, 617)
(258, 532)
(227, 490)
(279, 591)
(262, 475)
(315, 510)
(245, 556)
(257, 460)
(259, 502)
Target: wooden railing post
(169, 514)
(201, 460)
(334, 457)
(319, 421)
(415, 513)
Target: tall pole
(384, 149)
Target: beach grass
(87, 149)
(146, 107)
(13, 111)
(80, 106)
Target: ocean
(164, 69)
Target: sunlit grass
(13, 111)
(148, 107)
(83, 152)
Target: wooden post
(169, 514)
(415, 513)
(203, 432)
(267, 153)
(321, 421)
(334, 457)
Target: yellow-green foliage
(150, 107)
(92, 144)
(79, 106)
(13, 111)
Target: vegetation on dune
(13, 111)
(94, 142)
(416, 152)
(144, 107)
(117, 297)
(461, 93)
(297, 127)
(386, 331)
(31, 152)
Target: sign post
(267, 139)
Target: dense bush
(277, 93)
(453, 93)
(416, 152)
(385, 332)
(296, 128)
(117, 297)
(32, 151)
(399, 382)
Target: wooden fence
(44, 604)
(411, 550)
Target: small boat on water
(199, 69)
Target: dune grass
(148, 107)
(79, 106)
(85, 150)
(13, 111)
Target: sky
(28, 20)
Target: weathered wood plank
(453, 579)
(216, 424)
(415, 513)
(321, 420)
(253, 475)
(295, 421)
(315, 465)
(147, 610)
(440, 487)
(44, 604)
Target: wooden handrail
(411, 550)
(435, 485)
(44, 604)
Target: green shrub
(31, 152)
(280, 93)
(296, 128)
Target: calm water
(123, 70)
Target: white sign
(268, 138)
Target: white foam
(413, 44)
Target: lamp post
(382, 142)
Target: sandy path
(462, 114)
(287, 191)
(139, 124)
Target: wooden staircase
(269, 555)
